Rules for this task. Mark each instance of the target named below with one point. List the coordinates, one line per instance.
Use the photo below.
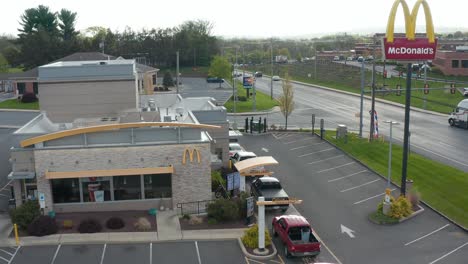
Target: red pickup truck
(297, 236)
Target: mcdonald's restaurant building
(128, 160)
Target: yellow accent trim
(93, 129)
(190, 153)
(410, 20)
(106, 173)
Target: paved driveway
(339, 191)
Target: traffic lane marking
(372, 197)
(448, 253)
(336, 167)
(55, 255)
(71, 254)
(198, 252)
(306, 146)
(355, 187)
(347, 176)
(322, 160)
(7, 252)
(411, 242)
(315, 152)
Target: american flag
(376, 124)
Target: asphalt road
(431, 135)
(338, 191)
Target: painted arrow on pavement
(265, 149)
(348, 231)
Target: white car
(276, 78)
(234, 148)
(465, 91)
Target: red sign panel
(410, 50)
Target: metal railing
(197, 207)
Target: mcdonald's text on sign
(404, 49)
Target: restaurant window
(96, 189)
(36, 88)
(154, 79)
(464, 64)
(127, 187)
(158, 186)
(66, 190)
(21, 88)
(455, 63)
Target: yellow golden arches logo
(410, 20)
(191, 153)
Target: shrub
(89, 226)
(195, 220)
(28, 98)
(142, 224)
(223, 210)
(168, 81)
(186, 216)
(42, 226)
(242, 204)
(400, 208)
(241, 98)
(250, 237)
(216, 179)
(212, 221)
(115, 223)
(25, 214)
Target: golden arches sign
(410, 48)
(190, 153)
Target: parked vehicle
(234, 148)
(297, 236)
(242, 155)
(214, 80)
(276, 78)
(258, 74)
(459, 116)
(271, 189)
(336, 58)
(360, 59)
(465, 91)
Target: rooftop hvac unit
(167, 119)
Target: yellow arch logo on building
(410, 20)
(191, 153)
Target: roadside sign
(233, 181)
(248, 82)
(42, 200)
(250, 206)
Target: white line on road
(323, 243)
(308, 145)
(375, 196)
(198, 252)
(308, 154)
(14, 255)
(317, 161)
(427, 235)
(287, 135)
(103, 253)
(336, 167)
(4, 259)
(440, 155)
(6, 185)
(448, 253)
(4, 195)
(355, 187)
(304, 139)
(347, 176)
(151, 253)
(6, 252)
(447, 144)
(56, 253)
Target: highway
(430, 133)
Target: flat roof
(84, 63)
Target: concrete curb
(18, 110)
(257, 257)
(396, 185)
(271, 111)
(10, 127)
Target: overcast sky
(243, 18)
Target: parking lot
(339, 194)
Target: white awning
(21, 175)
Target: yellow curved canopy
(248, 164)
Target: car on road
(360, 59)
(242, 155)
(459, 116)
(237, 74)
(258, 74)
(296, 235)
(214, 80)
(465, 91)
(270, 188)
(234, 148)
(276, 78)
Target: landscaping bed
(186, 224)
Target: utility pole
(425, 82)
(177, 72)
(406, 131)
(271, 76)
(315, 62)
(373, 96)
(363, 76)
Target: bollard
(16, 234)
(313, 124)
(246, 130)
(251, 125)
(321, 128)
(264, 125)
(259, 125)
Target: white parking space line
(355, 187)
(287, 135)
(449, 253)
(4, 195)
(317, 161)
(11, 254)
(437, 230)
(312, 153)
(304, 139)
(198, 252)
(6, 185)
(56, 253)
(151, 253)
(375, 196)
(308, 145)
(347, 176)
(331, 252)
(14, 254)
(6, 260)
(336, 167)
(103, 253)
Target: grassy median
(441, 186)
(263, 101)
(14, 104)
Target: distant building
(452, 62)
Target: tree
(220, 67)
(3, 64)
(67, 24)
(167, 80)
(286, 100)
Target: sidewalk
(168, 229)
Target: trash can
(341, 131)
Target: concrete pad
(84, 238)
(37, 254)
(174, 252)
(231, 233)
(79, 254)
(168, 225)
(125, 254)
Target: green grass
(380, 218)
(14, 104)
(441, 186)
(15, 70)
(263, 101)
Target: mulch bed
(184, 224)
(251, 250)
(129, 218)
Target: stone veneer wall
(190, 182)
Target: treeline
(46, 36)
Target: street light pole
(362, 98)
(271, 76)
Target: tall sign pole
(409, 49)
